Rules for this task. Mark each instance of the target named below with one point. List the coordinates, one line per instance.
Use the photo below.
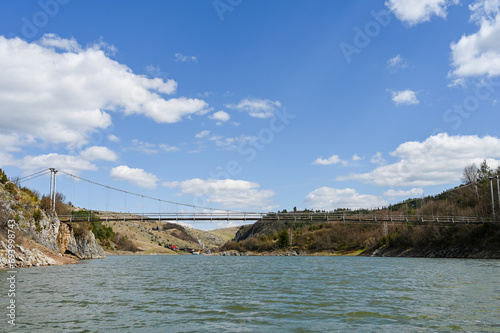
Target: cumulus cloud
(6, 159)
(334, 159)
(56, 91)
(413, 12)
(230, 193)
(256, 107)
(413, 193)
(220, 116)
(406, 97)
(329, 198)
(479, 53)
(138, 177)
(378, 159)
(69, 163)
(99, 153)
(439, 159)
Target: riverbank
(431, 240)
(462, 252)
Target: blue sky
(249, 105)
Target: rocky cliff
(39, 237)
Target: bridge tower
(52, 196)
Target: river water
(258, 294)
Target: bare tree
(470, 174)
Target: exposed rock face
(45, 232)
(85, 247)
(63, 237)
(59, 237)
(24, 257)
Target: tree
(284, 239)
(470, 174)
(484, 171)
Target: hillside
(153, 237)
(473, 198)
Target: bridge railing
(291, 216)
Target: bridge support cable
(33, 175)
(145, 196)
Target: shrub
(102, 232)
(32, 194)
(11, 188)
(37, 215)
(80, 228)
(125, 244)
(284, 239)
(3, 177)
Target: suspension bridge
(208, 214)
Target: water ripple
(265, 294)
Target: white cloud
(397, 62)
(413, 193)
(328, 198)
(355, 157)
(413, 12)
(150, 148)
(58, 92)
(479, 53)
(484, 10)
(68, 163)
(12, 142)
(220, 116)
(6, 159)
(135, 176)
(202, 134)
(56, 42)
(407, 97)
(229, 193)
(256, 107)
(143, 147)
(99, 153)
(231, 143)
(334, 159)
(168, 148)
(440, 159)
(378, 159)
(113, 138)
(457, 82)
(179, 57)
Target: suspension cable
(147, 197)
(34, 175)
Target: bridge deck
(294, 217)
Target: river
(258, 294)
